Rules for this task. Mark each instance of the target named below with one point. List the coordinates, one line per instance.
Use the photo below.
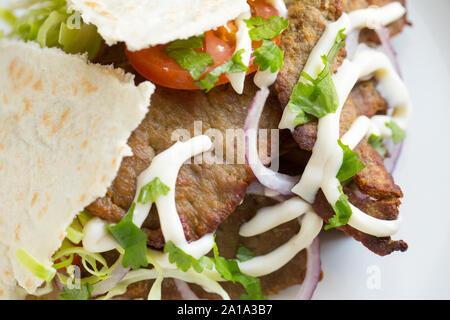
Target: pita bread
(64, 126)
(144, 23)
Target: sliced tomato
(156, 66)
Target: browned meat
(386, 208)
(205, 193)
(308, 19)
(374, 180)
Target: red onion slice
(384, 35)
(184, 290)
(273, 180)
(58, 284)
(394, 150)
(313, 270)
(115, 277)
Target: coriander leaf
(235, 65)
(339, 42)
(398, 134)
(342, 210)
(152, 190)
(132, 239)
(185, 261)
(244, 253)
(255, 21)
(317, 98)
(269, 55)
(229, 270)
(81, 293)
(260, 29)
(377, 143)
(351, 164)
(182, 51)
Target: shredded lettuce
(51, 24)
(90, 260)
(84, 217)
(156, 290)
(75, 232)
(191, 276)
(33, 266)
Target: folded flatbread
(64, 125)
(141, 24)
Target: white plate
(423, 272)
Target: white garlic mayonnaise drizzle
(320, 172)
(270, 217)
(262, 78)
(356, 20)
(311, 225)
(164, 166)
(280, 6)
(243, 41)
(327, 155)
(366, 62)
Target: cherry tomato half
(156, 66)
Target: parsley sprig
(268, 55)
(235, 65)
(228, 269)
(184, 53)
(398, 134)
(342, 211)
(132, 239)
(185, 261)
(152, 190)
(351, 164)
(318, 97)
(83, 292)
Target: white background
(423, 272)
